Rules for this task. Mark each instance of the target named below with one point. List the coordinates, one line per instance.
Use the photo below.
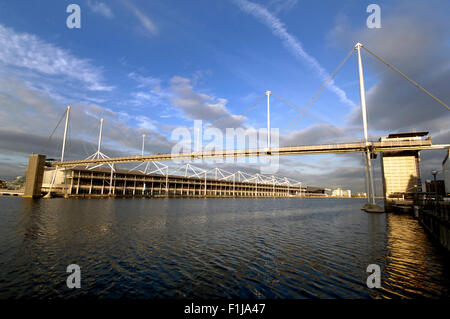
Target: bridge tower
(368, 161)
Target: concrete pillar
(35, 174)
(90, 188)
(103, 182)
(78, 184)
(69, 191)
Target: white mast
(49, 194)
(268, 119)
(100, 136)
(143, 141)
(65, 133)
(370, 184)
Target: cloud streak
(291, 43)
(145, 21)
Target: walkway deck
(358, 147)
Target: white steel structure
(268, 119)
(66, 126)
(98, 154)
(368, 167)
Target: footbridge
(358, 147)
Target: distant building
(339, 192)
(446, 173)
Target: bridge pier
(34, 176)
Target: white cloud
(202, 106)
(150, 92)
(26, 51)
(100, 8)
(20, 105)
(145, 123)
(291, 43)
(146, 81)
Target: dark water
(210, 248)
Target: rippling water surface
(214, 248)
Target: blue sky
(151, 66)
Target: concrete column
(90, 188)
(35, 174)
(69, 191)
(167, 184)
(103, 182)
(78, 184)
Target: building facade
(339, 192)
(400, 170)
(83, 182)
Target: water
(214, 248)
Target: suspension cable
(50, 137)
(286, 101)
(296, 107)
(317, 94)
(407, 78)
(253, 105)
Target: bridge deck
(357, 147)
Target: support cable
(51, 135)
(407, 78)
(317, 94)
(298, 108)
(253, 105)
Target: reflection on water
(210, 248)
(412, 264)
